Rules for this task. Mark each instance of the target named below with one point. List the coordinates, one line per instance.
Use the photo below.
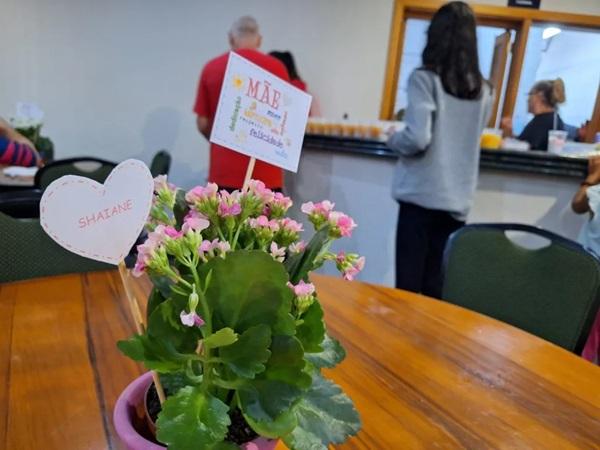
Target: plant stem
(207, 331)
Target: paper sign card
(260, 115)
(100, 222)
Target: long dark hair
(451, 50)
(288, 61)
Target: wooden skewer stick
(138, 318)
(249, 171)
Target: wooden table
(423, 373)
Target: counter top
(536, 162)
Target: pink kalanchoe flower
(259, 189)
(191, 319)
(302, 289)
(173, 233)
(290, 225)
(229, 204)
(350, 265)
(282, 201)
(201, 193)
(205, 247)
(138, 269)
(278, 253)
(263, 222)
(208, 247)
(194, 221)
(342, 222)
(222, 246)
(322, 208)
(160, 183)
(297, 247)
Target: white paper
(100, 222)
(18, 171)
(260, 115)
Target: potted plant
(29, 121)
(235, 329)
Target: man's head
(244, 33)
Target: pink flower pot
(126, 415)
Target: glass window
(570, 53)
(415, 38)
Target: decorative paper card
(260, 115)
(100, 222)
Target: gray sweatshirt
(439, 147)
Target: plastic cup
(556, 140)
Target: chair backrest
(552, 292)
(21, 204)
(94, 168)
(161, 163)
(26, 251)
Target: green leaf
(192, 420)
(275, 391)
(163, 284)
(155, 299)
(312, 330)
(248, 355)
(173, 382)
(155, 354)
(326, 415)
(225, 445)
(248, 288)
(165, 326)
(282, 425)
(333, 353)
(287, 362)
(265, 400)
(298, 266)
(222, 338)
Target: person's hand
(593, 177)
(582, 131)
(507, 126)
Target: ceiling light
(550, 31)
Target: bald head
(244, 33)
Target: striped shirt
(15, 154)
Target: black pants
(420, 240)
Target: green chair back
(161, 163)
(552, 292)
(94, 168)
(26, 251)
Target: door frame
(518, 19)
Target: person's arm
(416, 136)
(507, 127)
(203, 125)
(13, 135)
(580, 204)
(201, 107)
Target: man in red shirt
(227, 168)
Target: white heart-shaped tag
(97, 221)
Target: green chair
(161, 163)
(552, 292)
(26, 251)
(94, 168)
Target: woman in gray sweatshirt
(449, 103)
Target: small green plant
(233, 322)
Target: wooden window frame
(518, 19)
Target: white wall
(117, 78)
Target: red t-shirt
(227, 167)
(299, 84)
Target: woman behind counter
(449, 104)
(543, 100)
